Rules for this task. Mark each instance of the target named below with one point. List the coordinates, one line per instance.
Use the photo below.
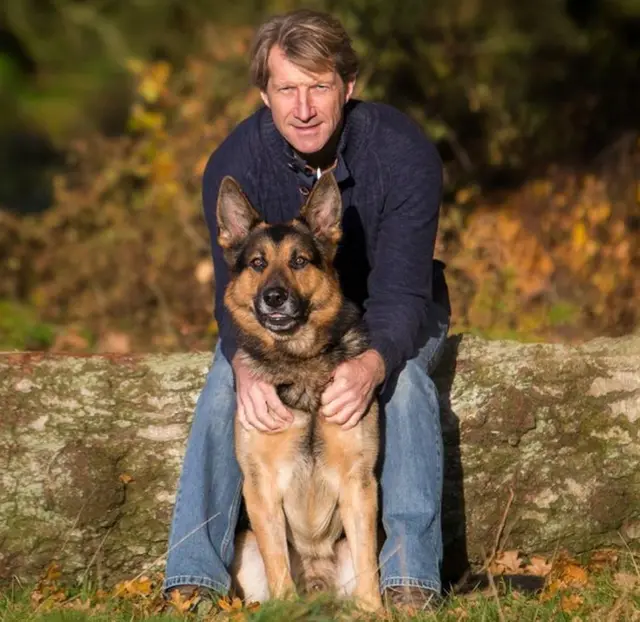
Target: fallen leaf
(508, 562)
(574, 576)
(230, 605)
(626, 581)
(53, 573)
(134, 587)
(602, 560)
(125, 478)
(538, 566)
(459, 613)
(182, 603)
(36, 597)
(565, 574)
(571, 602)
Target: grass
(610, 594)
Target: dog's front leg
(359, 511)
(264, 507)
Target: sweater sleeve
(397, 311)
(229, 159)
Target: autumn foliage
(122, 262)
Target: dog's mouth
(278, 322)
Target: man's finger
(242, 418)
(344, 400)
(241, 413)
(250, 415)
(336, 387)
(354, 419)
(278, 409)
(255, 423)
(344, 414)
(261, 412)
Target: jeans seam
(427, 584)
(176, 511)
(186, 579)
(229, 533)
(434, 360)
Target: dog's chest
(301, 396)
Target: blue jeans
(201, 542)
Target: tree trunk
(556, 425)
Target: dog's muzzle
(278, 309)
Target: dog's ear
(323, 210)
(236, 217)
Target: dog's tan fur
(307, 485)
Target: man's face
(306, 108)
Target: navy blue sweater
(390, 177)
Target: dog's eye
(258, 263)
(299, 262)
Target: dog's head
(283, 285)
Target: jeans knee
(216, 404)
(414, 386)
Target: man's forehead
(283, 69)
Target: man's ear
(236, 217)
(323, 210)
(349, 87)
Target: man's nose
(304, 106)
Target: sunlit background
(109, 110)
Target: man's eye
(258, 263)
(299, 262)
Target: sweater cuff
(390, 355)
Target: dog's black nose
(275, 297)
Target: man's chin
(307, 147)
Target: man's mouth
(306, 129)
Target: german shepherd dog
(306, 485)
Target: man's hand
(348, 396)
(259, 406)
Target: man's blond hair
(315, 41)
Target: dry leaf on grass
(235, 608)
(132, 588)
(508, 562)
(459, 613)
(183, 603)
(603, 559)
(565, 574)
(538, 566)
(571, 602)
(626, 581)
(512, 562)
(229, 605)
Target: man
(390, 178)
